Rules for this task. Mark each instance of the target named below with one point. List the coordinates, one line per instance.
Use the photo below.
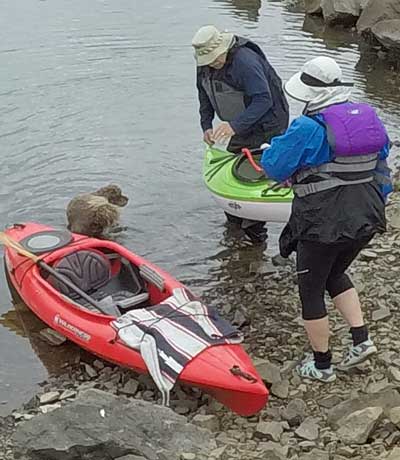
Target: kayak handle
(249, 156)
(235, 370)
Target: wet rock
(313, 6)
(280, 389)
(294, 412)
(343, 12)
(356, 427)
(103, 425)
(376, 11)
(52, 337)
(272, 431)
(50, 397)
(315, 454)
(130, 388)
(394, 416)
(388, 34)
(209, 422)
(381, 314)
(386, 400)
(239, 319)
(269, 372)
(217, 454)
(308, 430)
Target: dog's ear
(113, 194)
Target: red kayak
(225, 371)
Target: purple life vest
(354, 129)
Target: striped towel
(171, 334)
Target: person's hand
(208, 137)
(224, 131)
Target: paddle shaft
(11, 243)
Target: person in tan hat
(236, 82)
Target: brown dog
(94, 213)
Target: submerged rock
(387, 32)
(313, 6)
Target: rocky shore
(376, 21)
(98, 411)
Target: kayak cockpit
(113, 282)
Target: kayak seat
(90, 271)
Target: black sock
(322, 359)
(359, 334)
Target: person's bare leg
(349, 307)
(318, 333)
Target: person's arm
(206, 109)
(249, 72)
(302, 146)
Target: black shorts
(320, 268)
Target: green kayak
(241, 190)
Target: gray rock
(273, 450)
(131, 457)
(394, 374)
(376, 11)
(313, 6)
(344, 12)
(280, 389)
(272, 431)
(188, 456)
(49, 408)
(66, 394)
(268, 372)
(308, 430)
(381, 314)
(386, 399)
(330, 401)
(294, 412)
(97, 364)
(394, 454)
(394, 416)
(100, 425)
(130, 388)
(209, 422)
(217, 454)
(50, 397)
(388, 34)
(92, 373)
(345, 451)
(356, 427)
(315, 454)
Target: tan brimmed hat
(209, 43)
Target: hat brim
(223, 47)
(296, 89)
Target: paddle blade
(10, 243)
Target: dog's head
(113, 194)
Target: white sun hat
(319, 83)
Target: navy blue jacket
(248, 70)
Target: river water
(100, 91)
